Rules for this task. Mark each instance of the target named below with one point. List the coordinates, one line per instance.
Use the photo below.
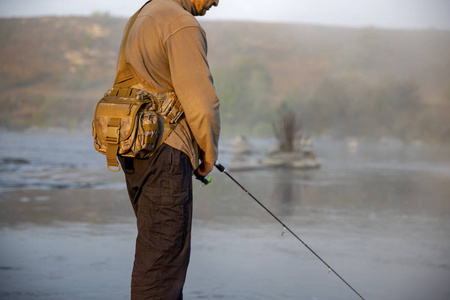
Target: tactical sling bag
(128, 121)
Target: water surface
(378, 214)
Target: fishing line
(221, 168)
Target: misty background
(366, 76)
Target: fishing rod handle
(219, 166)
(204, 179)
(207, 179)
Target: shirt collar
(189, 6)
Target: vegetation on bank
(366, 83)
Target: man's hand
(204, 169)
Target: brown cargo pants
(160, 190)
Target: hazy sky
(379, 13)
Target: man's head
(203, 5)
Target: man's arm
(194, 87)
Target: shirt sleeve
(193, 84)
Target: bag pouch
(114, 123)
(146, 135)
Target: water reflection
(287, 193)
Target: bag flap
(111, 108)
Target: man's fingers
(204, 169)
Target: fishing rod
(206, 180)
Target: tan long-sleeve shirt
(167, 49)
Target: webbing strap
(172, 127)
(150, 139)
(111, 157)
(150, 127)
(123, 92)
(112, 131)
(112, 138)
(125, 76)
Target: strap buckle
(112, 132)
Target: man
(166, 51)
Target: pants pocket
(163, 221)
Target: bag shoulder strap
(125, 77)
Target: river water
(378, 214)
